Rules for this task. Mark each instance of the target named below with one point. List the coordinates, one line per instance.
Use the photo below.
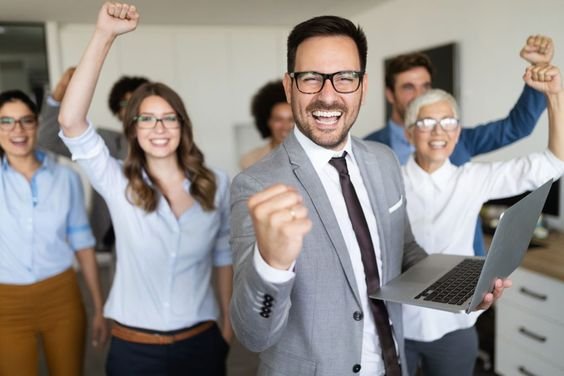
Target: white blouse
(443, 207)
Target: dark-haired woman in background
(273, 119)
(43, 225)
(170, 216)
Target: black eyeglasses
(8, 123)
(344, 82)
(150, 121)
(448, 124)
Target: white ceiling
(187, 12)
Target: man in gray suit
(48, 139)
(300, 286)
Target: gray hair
(430, 97)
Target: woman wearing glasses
(170, 215)
(43, 225)
(443, 202)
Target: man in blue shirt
(408, 76)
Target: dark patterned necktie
(360, 227)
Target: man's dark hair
(124, 85)
(403, 63)
(326, 26)
(18, 95)
(263, 102)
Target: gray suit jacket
(311, 327)
(48, 139)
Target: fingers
(542, 73)
(540, 43)
(122, 11)
(277, 203)
(538, 50)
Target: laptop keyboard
(457, 285)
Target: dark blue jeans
(203, 354)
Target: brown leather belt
(132, 335)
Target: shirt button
(166, 304)
(356, 368)
(173, 254)
(357, 316)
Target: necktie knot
(340, 164)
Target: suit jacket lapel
(374, 181)
(307, 176)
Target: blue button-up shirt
(42, 221)
(164, 263)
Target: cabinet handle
(536, 337)
(533, 294)
(526, 372)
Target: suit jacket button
(357, 315)
(356, 368)
(265, 310)
(264, 314)
(268, 298)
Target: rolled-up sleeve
(222, 254)
(79, 233)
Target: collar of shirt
(318, 155)
(45, 162)
(440, 178)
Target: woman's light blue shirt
(42, 221)
(164, 264)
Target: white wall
(489, 34)
(216, 70)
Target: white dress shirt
(442, 209)
(164, 264)
(372, 363)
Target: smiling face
(326, 117)
(433, 148)
(19, 142)
(158, 142)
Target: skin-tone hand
(280, 221)
(100, 330)
(61, 87)
(544, 78)
(490, 298)
(538, 49)
(117, 18)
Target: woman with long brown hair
(170, 215)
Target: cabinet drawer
(511, 359)
(536, 293)
(541, 337)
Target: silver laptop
(459, 283)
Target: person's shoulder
(378, 135)
(271, 168)
(254, 155)
(379, 149)
(60, 170)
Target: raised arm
(521, 120)
(113, 19)
(547, 79)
